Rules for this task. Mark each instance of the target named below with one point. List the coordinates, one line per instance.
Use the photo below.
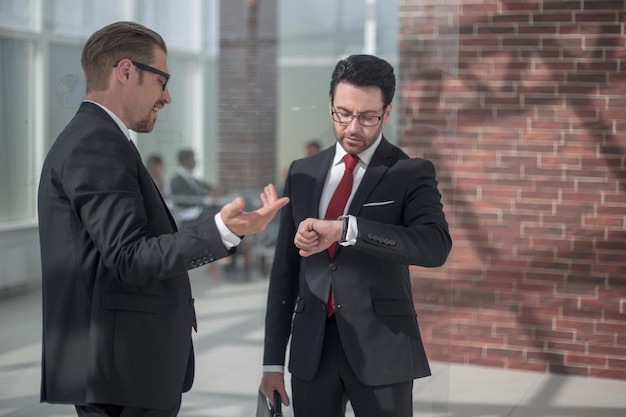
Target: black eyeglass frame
(357, 117)
(153, 70)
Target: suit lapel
(94, 108)
(321, 170)
(378, 166)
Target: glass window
(17, 173)
(179, 22)
(65, 88)
(311, 37)
(18, 14)
(83, 17)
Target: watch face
(344, 232)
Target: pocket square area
(379, 203)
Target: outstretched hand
(244, 223)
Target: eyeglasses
(344, 118)
(153, 70)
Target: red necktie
(336, 208)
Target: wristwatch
(344, 232)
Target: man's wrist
(229, 239)
(274, 368)
(344, 228)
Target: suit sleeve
(421, 237)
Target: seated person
(191, 196)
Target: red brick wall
(247, 96)
(521, 105)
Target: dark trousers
(109, 410)
(335, 383)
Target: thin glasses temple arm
(153, 70)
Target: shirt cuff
(274, 368)
(352, 233)
(229, 239)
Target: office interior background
(520, 105)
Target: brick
(603, 5)
(599, 339)
(584, 360)
(585, 313)
(608, 373)
(616, 364)
(613, 258)
(477, 8)
(523, 341)
(510, 18)
(569, 370)
(561, 335)
(599, 17)
(500, 353)
(612, 328)
(586, 279)
(586, 326)
(538, 366)
(552, 358)
(561, 5)
(555, 18)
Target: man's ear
(122, 71)
(387, 115)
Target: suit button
(323, 307)
(193, 264)
(392, 242)
(332, 267)
(211, 257)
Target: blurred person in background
(193, 198)
(156, 168)
(312, 147)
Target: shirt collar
(365, 156)
(116, 119)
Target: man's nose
(166, 96)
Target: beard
(144, 125)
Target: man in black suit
(365, 345)
(117, 304)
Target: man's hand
(244, 223)
(274, 381)
(314, 235)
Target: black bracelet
(344, 232)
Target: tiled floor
(228, 349)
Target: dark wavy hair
(365, 71)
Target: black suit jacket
(117, 302)
(401, 223)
